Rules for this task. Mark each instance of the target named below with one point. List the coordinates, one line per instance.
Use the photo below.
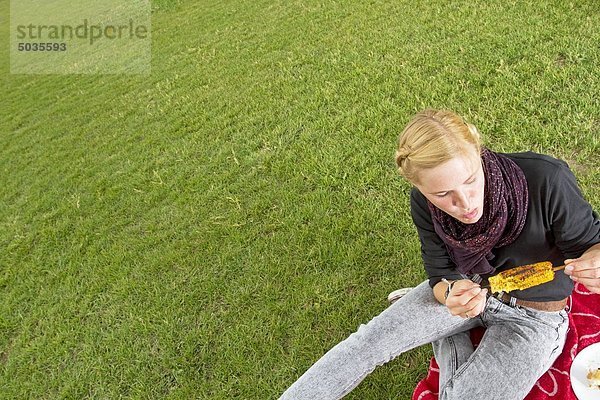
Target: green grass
(210, 230)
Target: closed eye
(471, 179)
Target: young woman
(477, 213)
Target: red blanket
(584, 329)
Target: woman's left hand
(586, 269)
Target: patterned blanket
(584, 329)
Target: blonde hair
(433, 137)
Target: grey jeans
(518, 346)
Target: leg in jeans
(518, 346)
(414, 320)
(452, 352)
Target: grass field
(209, 230)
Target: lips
(471, 215)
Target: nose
(461, 200)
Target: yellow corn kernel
(520, 278)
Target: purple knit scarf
(504, 212)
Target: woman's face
(455, 187)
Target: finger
(476, 305)
(473, 307)
(475, 311)
(582, 263)
(462, 294)
(476, 300)
(465, 284)
(457, 304)
(457, 309)
(468, 296)
(587, 282)
(462, 286)
(584, 271)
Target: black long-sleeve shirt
(560, 224)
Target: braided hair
(433, 137)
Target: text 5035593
(26, 46)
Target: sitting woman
(477, 213)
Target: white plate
(579, 369)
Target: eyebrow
(446, 191)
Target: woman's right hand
(466, 299)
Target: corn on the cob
(524, 277)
